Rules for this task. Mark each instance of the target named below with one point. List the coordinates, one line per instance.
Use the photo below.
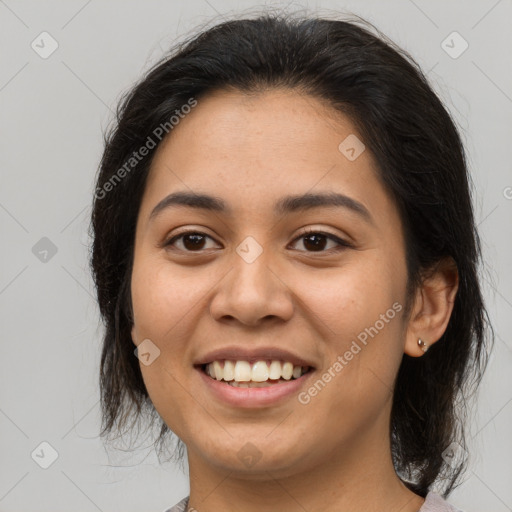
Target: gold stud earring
(422, 345)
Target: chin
(254, 456)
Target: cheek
(358, 313)
(162, 299)
(347, 300)
(162, 296)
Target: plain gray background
(53, 112)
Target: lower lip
(254, 397)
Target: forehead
(251, 149)
(265, 126)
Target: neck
(361, 477)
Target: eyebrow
(286, 205)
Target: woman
(284, 237)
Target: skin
(332, 454)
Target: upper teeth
(260, 371)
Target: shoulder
(179, 507)
(435, 503)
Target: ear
(433, 306)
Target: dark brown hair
(421, 162)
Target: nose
(252, 293)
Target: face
(317, 284)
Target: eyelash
(342, 244)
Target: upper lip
(236, 353)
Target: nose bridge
(252, 289)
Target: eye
(192, 241)
(317, 240)
(314, 241)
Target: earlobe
(424, 346)
(432, 308)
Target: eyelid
(342, 243)
(168, 240)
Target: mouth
(253, 377)
(255, 374)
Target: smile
(259, 374)
(262, 383)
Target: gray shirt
(433, 503)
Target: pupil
(318, 244)
(199, 239)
